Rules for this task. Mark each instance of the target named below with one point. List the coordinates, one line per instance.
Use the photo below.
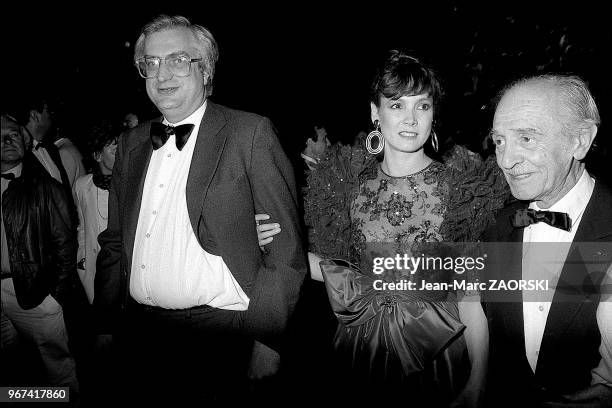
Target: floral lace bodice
(349, 201)
(408, 209)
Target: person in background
(91, 192)
(39, 246)
(57, 154)
(430, 348)
(130, 121)
(37, 113)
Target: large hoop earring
(434, 141)
(375, 134)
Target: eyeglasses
(179, 65)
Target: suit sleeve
(73, 165)
(278, 282)
(107, 282)
(602, 374)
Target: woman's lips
(408, 134)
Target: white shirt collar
(15, 170)
(574, 201)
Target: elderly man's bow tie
(160, 133)
(526, 217)
(8, 176)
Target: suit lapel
(567, 302)
(585, 253)
(137, 161)
(596, 221)
(206, 155)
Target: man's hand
(265, 231)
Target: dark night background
(309, 65)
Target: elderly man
(180, 255)
(551, 348)
(38, 257)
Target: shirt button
(154, 212)
(147, 235)
(95, 250)
(142, 266)
(169, 154)
(541, 308)
(537, 353)
(148, 298)
(161, 185)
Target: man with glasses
(180, 255)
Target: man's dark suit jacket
(569, 348)
(238, 169)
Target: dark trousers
(189, 356)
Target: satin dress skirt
(393, 338)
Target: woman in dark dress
(426, 348)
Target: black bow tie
(160, 134)
(8, 176)
(526, 217)
(41, 145)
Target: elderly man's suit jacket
(569, 348)
(238, 169)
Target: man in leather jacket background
(39, 246)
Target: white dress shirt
(169, 267)
(6, 264)
(545, 260)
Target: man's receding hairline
(194, 38)
(551, 95)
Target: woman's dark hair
(402, 74)
(102, 134)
